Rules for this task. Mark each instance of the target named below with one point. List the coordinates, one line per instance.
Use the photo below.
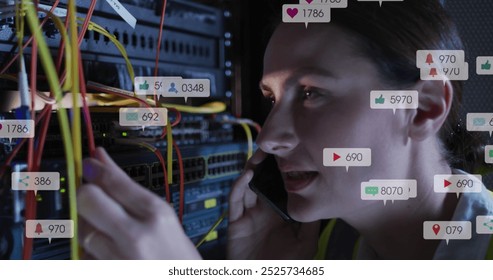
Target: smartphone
(268, 184)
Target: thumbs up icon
(380, 100)
(486, 66)
(144, 86)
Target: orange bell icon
(39, 229)
(433, 72)
(429, 59)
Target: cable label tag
(124, 13)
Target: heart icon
(292, 12)
(309, 1)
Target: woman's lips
(296, 181)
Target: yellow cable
(214, 107)
(76, 119)
(248, 133)
(68, 54)
(208, 108)
(54, 84)
(213, 228)
(169, 140)
(19, 25)
(119, 46)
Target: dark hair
(390, 35)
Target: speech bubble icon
(300, 13)
(394, 99)
(380, 1)
(480, 122)
(488, 154)
(143, 117)
(35, 181)
(346, 157)
(16, 129)
(447, 230)
(457, 183)
(483, 65)
(49, 229)
(440, 58)
(195, 88)
(331, 3)
(484, 224)
(371, 190)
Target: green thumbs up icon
(486, 66)
(380, 100)
(144, 86)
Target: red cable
(85, 108)
(31, 201)
(16, 56)
(158, 48)
(86, 21)
(44, 129)
(182, 183)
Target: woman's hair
(390, 35)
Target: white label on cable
(124, 13)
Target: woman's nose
(278, 135)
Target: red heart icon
(292, 12)
(309, 1)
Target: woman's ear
(435, 101)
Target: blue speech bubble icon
(479, 121)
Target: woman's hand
(120, 219)
(257, 232)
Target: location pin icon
(436, 228)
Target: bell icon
(433, 72)
(429, 59)
(39, 229)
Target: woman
(319, 79)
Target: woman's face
(321, 89)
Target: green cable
(76, 119)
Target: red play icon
(446, 183)
(336, 157)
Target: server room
(235, 129)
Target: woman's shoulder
(474, 212)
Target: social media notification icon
(447, 230)
(483, 65)
(347, 157)
(301, 13)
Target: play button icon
(446, 183)
(335, 156)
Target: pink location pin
(436, 228)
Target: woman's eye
(309, 94)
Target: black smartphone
(267, 183)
